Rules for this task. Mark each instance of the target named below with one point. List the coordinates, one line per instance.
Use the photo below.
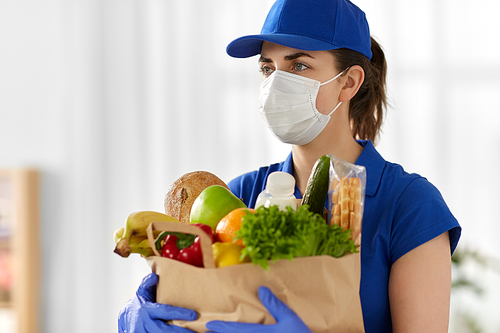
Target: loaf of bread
(184, 191)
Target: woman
(323, 92)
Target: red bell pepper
(170, 249)
(192, 254)
(189, 254)
(207, 229)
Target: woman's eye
(265, 70)
(299, 67)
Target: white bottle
(279, 191)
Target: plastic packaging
(346, 196)
(279, 191)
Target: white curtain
(115, 99)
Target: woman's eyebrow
(264, 60)
(289, 57)
(294, 56)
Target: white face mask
(288, 107)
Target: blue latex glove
(142, 315)
(286, 319)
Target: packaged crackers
(346, 196)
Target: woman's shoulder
(401, 178)
(420, 210)
(411, 191)
(408, 206)
(236, 184)
(248, 185)
(406, 184)
(384, 178)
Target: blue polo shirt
(401, 212)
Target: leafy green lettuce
(271, 234)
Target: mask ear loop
(335, 109)
(336, 77)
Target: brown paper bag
(322, 290)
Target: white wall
(113, 100)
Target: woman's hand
(141, 314)
(286, 319)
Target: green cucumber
(317, 186)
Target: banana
(136, 225)
(118, 234)
(146, 252)
(140, 245)
(139, 242)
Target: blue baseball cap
(311, 25)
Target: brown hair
(367, 107)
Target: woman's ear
(353, 80)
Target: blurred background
(113, 100)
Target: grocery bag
(322, 290)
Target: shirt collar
(374, 164)
(288, 167)
(369, 158)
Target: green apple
(213, 204)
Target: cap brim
(248, 46)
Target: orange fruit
(228, 226)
